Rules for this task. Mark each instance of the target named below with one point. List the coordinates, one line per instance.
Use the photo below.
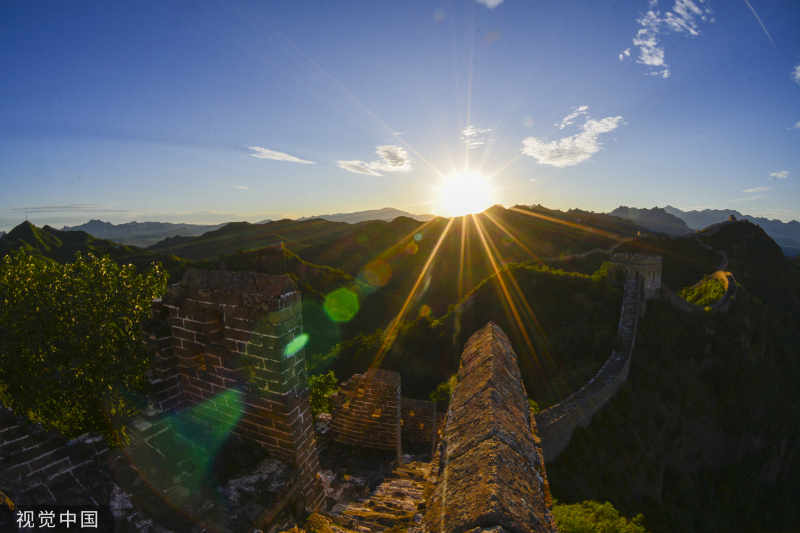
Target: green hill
(61, 246)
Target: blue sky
(206, 112)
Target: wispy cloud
(570, 151)
(491, 4)
(471, 136)
(682, 20)
(98, 208)
(263, 153)
(779, 175)
(240, 187)
(795, 75)
(757, 189)
(569, 119)
(392, 159)
(625, 53)
(796, 125)
(748, 198)
(359, 167)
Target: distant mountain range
(784, 233)
(655, 219)
(672, 221)
(387, 213)
(142, 234)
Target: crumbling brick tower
(228, 346)
(366, 411)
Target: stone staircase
(396, 504)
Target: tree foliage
(320, 390)
(594, 517)
(71, 356)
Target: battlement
(635, 259)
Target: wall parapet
(557, 423)
(491, 473)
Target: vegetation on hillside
(701, 436)
(61, 247)
(71, 356)
(567, 329)
(708, 292)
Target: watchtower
(645, 268)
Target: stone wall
(491, 472)
(366, 411)
(557, 424)
(233, 359)
(418, 422)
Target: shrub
(441, 395)
(594, 517)
(70, 347)
(320, 390)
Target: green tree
(320, 390)
(71, 356)
(594, 517)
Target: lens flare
(297, 344)
(464, 194)
(341, 305)
(378, 273)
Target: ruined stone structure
(491, 472)
(557, 424)
(419, 422)
(232, 358)
(366, 411)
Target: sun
(464, 194)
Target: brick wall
(418, 421)
(557, 424)
(492, 473)
(229, 360)
(366, 411)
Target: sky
(213, 111)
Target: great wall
(228, 387)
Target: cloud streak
(779, 175)
(491, 4)
(570, 151)
(359, 167)
(681, 20)
(757, 189)
(795, 75)
(576, 111)
(98, 208)
(392, 159)
(471, 138)
(264, 153)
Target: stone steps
(395, 503)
